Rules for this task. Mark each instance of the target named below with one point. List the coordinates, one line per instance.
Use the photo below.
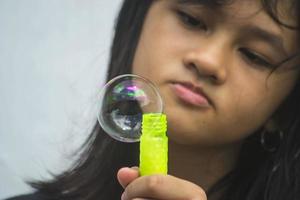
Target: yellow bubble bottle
(154, 145)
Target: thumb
(126, 175)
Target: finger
(163, 187)
(126, 175)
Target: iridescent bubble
(123, 101)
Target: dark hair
(258, 174)
(93, 175)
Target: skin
(205, 141)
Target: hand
(157, 187)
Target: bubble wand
(130, 111)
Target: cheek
(155, 60)
(146, 62)
(255, 103)
(161, 46)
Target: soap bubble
(123, 101)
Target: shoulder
(34, 196)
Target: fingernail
(124, 197)
(135, 168)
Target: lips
(191, 94)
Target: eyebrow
(274, 39)
(207, 3)
(188, 1)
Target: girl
(228, 74)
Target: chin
(183, 137)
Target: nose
(208, 61)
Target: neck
(203, 167)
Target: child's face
(229, 53)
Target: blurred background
(53, 58)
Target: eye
(191, 21)
(255, 59)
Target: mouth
(191, 94)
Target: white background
(53, 58)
